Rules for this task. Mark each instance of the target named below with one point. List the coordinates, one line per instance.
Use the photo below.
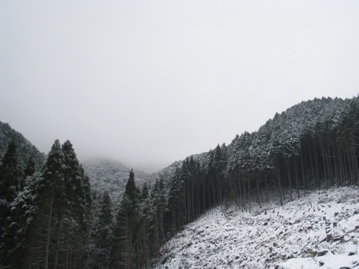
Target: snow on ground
(319, 230)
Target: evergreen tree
(76, 228)
(43, 236)
(9, 174)
(58, 231)
(102, 235)
(30, 167)
(159, 207)
(144, 241)
(9, 187)
(126, 227)
(22, 213)
(176, 202)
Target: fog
(151, 82)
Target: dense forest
(51, 218)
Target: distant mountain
(111, 176)
(24, 148)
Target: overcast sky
(151, 82)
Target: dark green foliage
(9, 174)
(29, 168)
(311, 145)
(126, 228)
(9, 187)
(58, 233)
(155, 217)
(22, 212)
(101, 236)
(24, 148)
(194, 190)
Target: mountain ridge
(109, 175)
(24, 147)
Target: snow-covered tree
(126, 227)
(9, 187)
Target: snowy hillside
(168, 172)
(111, 176)
(24, 147)
(319, 230)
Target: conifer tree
(9, 174)
(76, 230)
(22, 212)
(9, 186)
(43, 244)
(126, 227)
(102, 234)
(30, 167)
(157, 231)
(144, 242)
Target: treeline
(311, 145)
(130, 234)
(148, 216)
(44, 215)
(49, 220)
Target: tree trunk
(296, 177)
(290, 180)
(58, 243)
(47, 253)
(279, 186)
(258, 191)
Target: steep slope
(321, 228)
(168, 172)
(284, 133)
(24, 148)
(111, 176)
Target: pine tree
(102, 235)
(9, 187)
(76, 228)
(144, 242)
(22, 213)
(58, 233)
(42, 238)
(9, 173)
(30, 167)
(176, 202)
(126, 227)
(159, 207)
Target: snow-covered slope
(319, 230)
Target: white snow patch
(319, 230)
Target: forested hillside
(45, 215)
(25, 149)
(312, 145)
(50, 218)
(111, 176)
